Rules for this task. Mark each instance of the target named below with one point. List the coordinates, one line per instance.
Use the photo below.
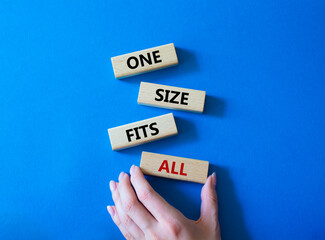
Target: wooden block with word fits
(140, 132)
(174, 167)
(144, 61)
(171, 97)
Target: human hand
(143, 214)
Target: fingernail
(214, 179)
(112, 186)
(121, 175)
(132, 169)
(110, 210)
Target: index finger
(133, 208)
(155, 204)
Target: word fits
(142, 131)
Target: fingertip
(136, 168)
(214, 179)
(137, 176)
(110, 210)
(132, 169)
(121, 176)
(112, 185)
(207, 182)
(136, 171)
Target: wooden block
(171, 97)
(174, 167)
(144, 61)
(140, 132)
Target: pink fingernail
(214, 179)
(132, 169)
(110, 210)
(112, 185)
(121, 175)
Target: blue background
(261, 63)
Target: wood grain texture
(140, 132)
(164, 96)
(160, 57)
(180, 168)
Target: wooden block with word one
(185, 169)
(171, 97)
(144, 61)
(140, 132)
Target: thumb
(209, 205)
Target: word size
(174, 167)
(140, 132)
(144, 61)
(171, 97)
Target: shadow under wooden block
(214, 106)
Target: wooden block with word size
(174, 167)
(144, 61)
(140, 132)
(171, 97)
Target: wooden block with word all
(144, 61)
(171, 97)
(174, 167)
(140, 132)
